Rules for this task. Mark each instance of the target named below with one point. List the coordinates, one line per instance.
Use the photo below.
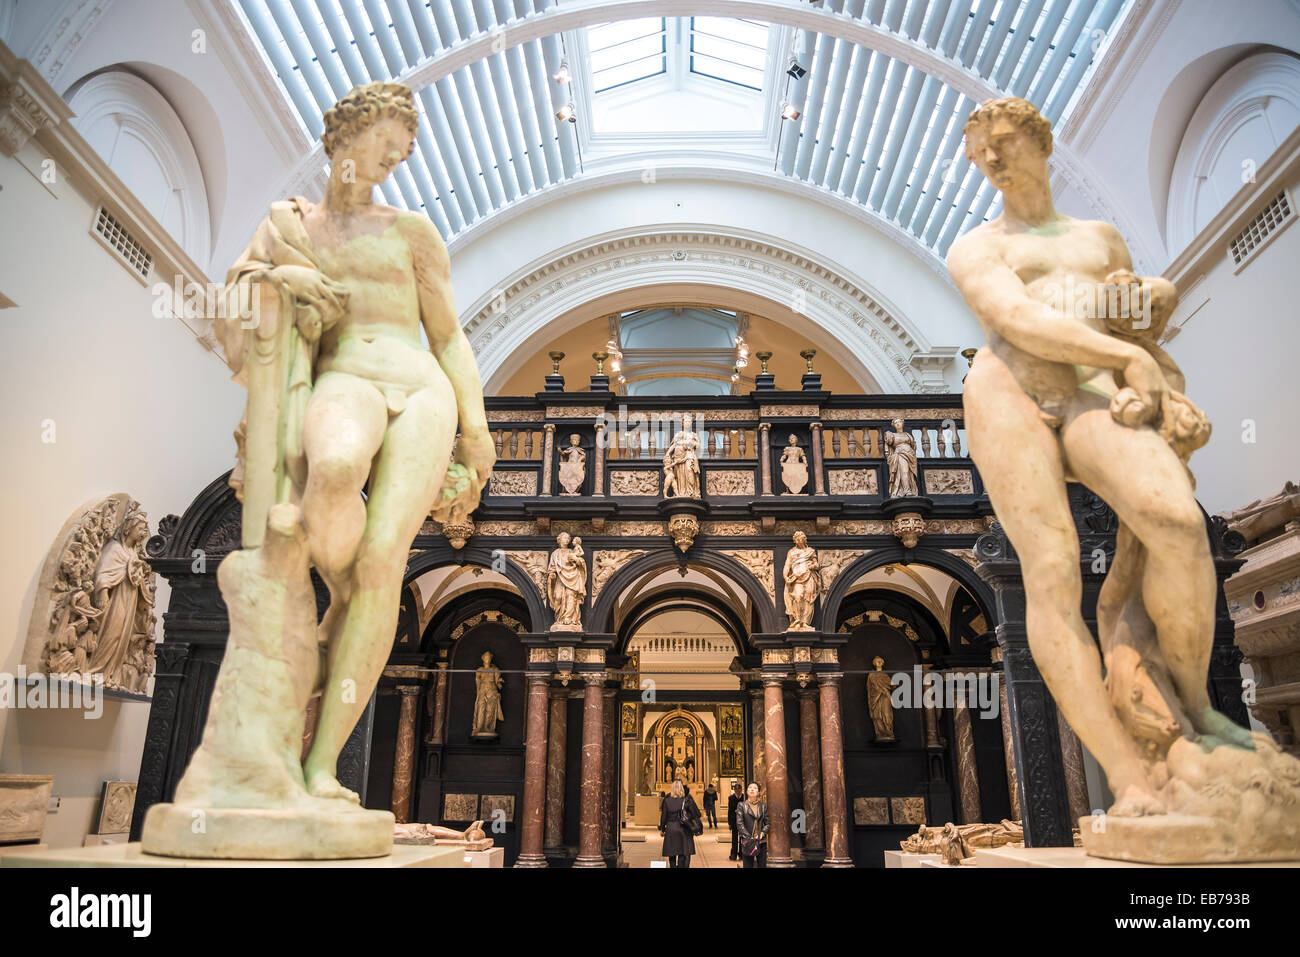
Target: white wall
(138, 406)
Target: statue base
(270, 834)
(1181, 839)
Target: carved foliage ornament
(730, 482)
(760, 563)
(607, 562)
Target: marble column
(438, 716)
(834, 799)
(811, 764)
(757, 750)
(556, 751)
(593, 722)
(968, 783)
(548, 453)
(608, 830)
(534, 810)
(765, 456)
(598, 470)
(1076, 782)
(819, 473)
(1008, 746)
(404, 754)
(778, 795)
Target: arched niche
(1239, 123)
(133, 127)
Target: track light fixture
(562, 75)
(794, 71)
(566, 112)
(791, 112)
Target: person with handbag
(734, 802)
(679, 822)
(752, 825)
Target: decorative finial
(600, 358)
(969, 356)
(763, 357)
(807, 356)
(555, 358)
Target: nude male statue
(1057, 395)
(367, 278)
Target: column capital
(815, 424)
(409, 691)
(764, 426)
(590, 678)
(549, 427)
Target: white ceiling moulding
(879, 345)
(575, 15)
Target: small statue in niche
(682, 464)
(573, 466)
(566, 583)
(487, 700)
(803, 583)
(794, 467)
(647, 772)
(900, 453)
(879, 703)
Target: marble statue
(93, 618)
(647, 773)
(566, 583)
(1072, 386)
(682, 464)
(958, 842)
(573, 466)
(900, 454)
(342, 397)
(794, 467)
(487, 700)
(880, 704)
(803, 583)
(473, 838)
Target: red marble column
(593, 721)
(811, 764)
(778, 796)
(556, 749)
(608, 829)
(834, 799)
(534, 809)
(438, 719)
(757, 748)
(404, 754)
(968, 782)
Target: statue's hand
(459, 495)
(476, 451)
(1141, 398)
(320, 300)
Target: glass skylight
(729, 49)
(627, 51)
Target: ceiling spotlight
(566, 112)
(794, 71)
(791, 112)
(562, 75)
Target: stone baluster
(548, 455)
(593, 720)
(836, 436)
(498, 439)
(765, 456)
(819, 473)
(743, 436)
(556, 757)
(834, 798)
(404, 753)
(932, 434)
(778, 795)
(532, 820)
(811, 765)
(528, 444)
(728, 441)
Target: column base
(787, 862)
(530, 860)
(838, 862)
(589, 862)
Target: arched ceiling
(884, 88)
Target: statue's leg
(407, 477)
(1019, 459)
(1141, 478)
(342, 431)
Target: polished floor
(709, 852)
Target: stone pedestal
(131, 855)
(24, 803)
(556, 747)
(533, 813)
(778, 796)
(834, 798)
(811, 765)
(593, 720)
(1073, 857)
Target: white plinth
(645, 812)
(130, 855)
(904, 859)
(492, 857)
(1078, 857)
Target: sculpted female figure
(803, 583)
(682, 464)
(900, 453)
(879, 704)
(566, 583)
(487, 699)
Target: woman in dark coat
(679, 817)
(752, 825)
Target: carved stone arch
(883, 347)
(211, 524)
(896, 554)
(602, 613)
(430, 558)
